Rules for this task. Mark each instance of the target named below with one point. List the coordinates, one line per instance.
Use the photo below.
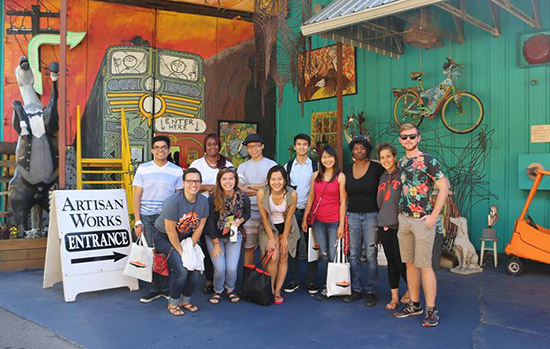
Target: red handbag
(160, 263)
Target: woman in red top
(327, 202)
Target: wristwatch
(137, 223)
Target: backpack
(314, 167)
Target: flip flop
(392, 305)
(232, 296)
(175, 310)
(215, 299)
(189, 307)
(279, 300)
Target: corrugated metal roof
(340, 8)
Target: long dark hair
(336, 169)
(281, 169)
(222, 160)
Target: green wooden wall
(514, 99)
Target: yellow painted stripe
(181, 106)
(125, 94)
(188, 100)
(122, 102)
(125, 109)
(179, 113)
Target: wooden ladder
(122, 166)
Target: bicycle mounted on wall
(461, 111)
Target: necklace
(215, 165)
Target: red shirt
(329, 206)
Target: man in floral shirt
(419, 174)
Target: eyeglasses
(193, 182)
(227, 168)
(253, 146)
(411, 136)
(164, 147)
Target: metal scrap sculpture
(36, 154)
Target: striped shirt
(158, 183)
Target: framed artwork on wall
(324, 130)
(533, 48)
(232, 135)
(320, 73)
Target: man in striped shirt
(154, 181)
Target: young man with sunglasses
(300, 169)
(154, 181)
(252, 177)
(420, 173)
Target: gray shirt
(187, 215)
(254, 172)
(387, 198)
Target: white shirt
(300, 177)
(158, 183)
(208, 173)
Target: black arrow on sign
(115, 257)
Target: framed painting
(320, 73)
(232, 135)
(324, 129)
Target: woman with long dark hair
(208, 166)
(279, 232)
(327, 202)
(229, 210)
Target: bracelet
(137, 223)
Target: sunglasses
(227, 168)
(411, 136)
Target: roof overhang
(320, 24)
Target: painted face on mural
(227, 182)
(160, 151)
(387, 159)
(255, 149)
(301, 146)
(409, 144)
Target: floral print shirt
(418, 176)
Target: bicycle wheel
(462, 115)
(405, 109)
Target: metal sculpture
(36, 154)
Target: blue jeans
(159, 282)
(362, 231)
(225, 266)
(182, 281)
(326, 234)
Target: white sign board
(540, 133)
(179, 125)
(89, 240)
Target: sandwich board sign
(89, 241)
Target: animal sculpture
(464, 250)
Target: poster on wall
(320, 73)
(232, 135)
(324, 129)
(533, 49)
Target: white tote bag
(338, 273)
(140, 262)
(312, 247)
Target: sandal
(405, 300)
(175, 310)
(189, 307)
(392, 305)
(279, 300)
(232, 296)
(215, 299)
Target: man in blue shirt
(154, 181)
(300, 170)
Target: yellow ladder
(122, 166)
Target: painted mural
(173, 73)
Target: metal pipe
(340, 103)
(62, 107)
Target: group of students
(266, 205)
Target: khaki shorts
(252, 227)
(416, 241)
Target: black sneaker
(355, 296)
(372, 300)
(291, 287)
(322, 296)
(312, 288)
(149, 297)
(165, 294)
(408, 310)
(431, 317)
